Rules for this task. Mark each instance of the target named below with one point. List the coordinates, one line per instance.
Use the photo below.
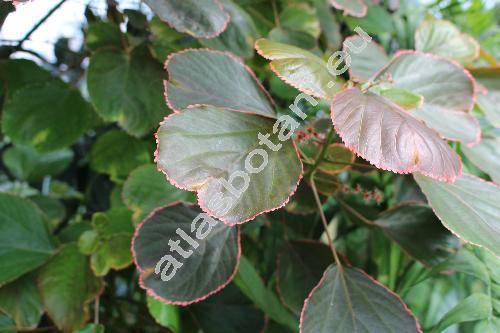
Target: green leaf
(348, 300)
(88, 243)
(366, 57)
(112, 253)
(21, 300)
(300, 68)
(300, 17)
(54, 210)
(28, 164)
(336, 159)
(117, 154)
(103, 34)
(330, 26)
(24, 240)
(214, 78)
(7, 325)
(228, 312)
(446, 106)
(251, 284)
(475, 307)
(113, 221)
(350, 7)
(469, 207)
(204, 262)
(18, 73)
(418, 231)
(390, 138)
(67, 285)
(292, 37)
(300, 267)
(486, 156)
(205, 19)
(207, 149)
(402, 97)
(239, 35)
(37, 115)
(377, 21)
(445, 39)
(126, 88)
(166, 315)
(488, 94)
(146, 189)
(91, 328)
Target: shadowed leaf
(350, 7)
(364, 61)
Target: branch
(36, 26)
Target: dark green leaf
(67, 285)
(126, 87)
(103, 34)
(166, 315)
(24, 241)
(37, 115)
(349, 300)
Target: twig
(96, 310)
(325, 224)
(36, 26)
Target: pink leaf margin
(230, 55)
(411, 169)
(202, 204)
(151, 292)
(311, 294)
(347, 10)
(284, 78)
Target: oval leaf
(390, 138)
(447, 89)
(204, 269)
(201, 19)
(214, 78)
(469, 207)
(206, 149)
(355, 8)
(488, 96)
(24, 240)
(348, 300)
(443, 38)
(300, 68)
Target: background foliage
(77, 172)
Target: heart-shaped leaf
(300, 68)
(447, 89)
(21, 223)
(126, 87)
(390, 138)
(201, 19)
(348, 300)
(443, 38)
(146, 189)
(355, 8)
(418, 231)
(300, 266)
(214, 151)
(469, 207)
(486, 156)
(488, 95)
(214, 78)
(240, 34)
(67, 285)
(364, 61)
(184, 255)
